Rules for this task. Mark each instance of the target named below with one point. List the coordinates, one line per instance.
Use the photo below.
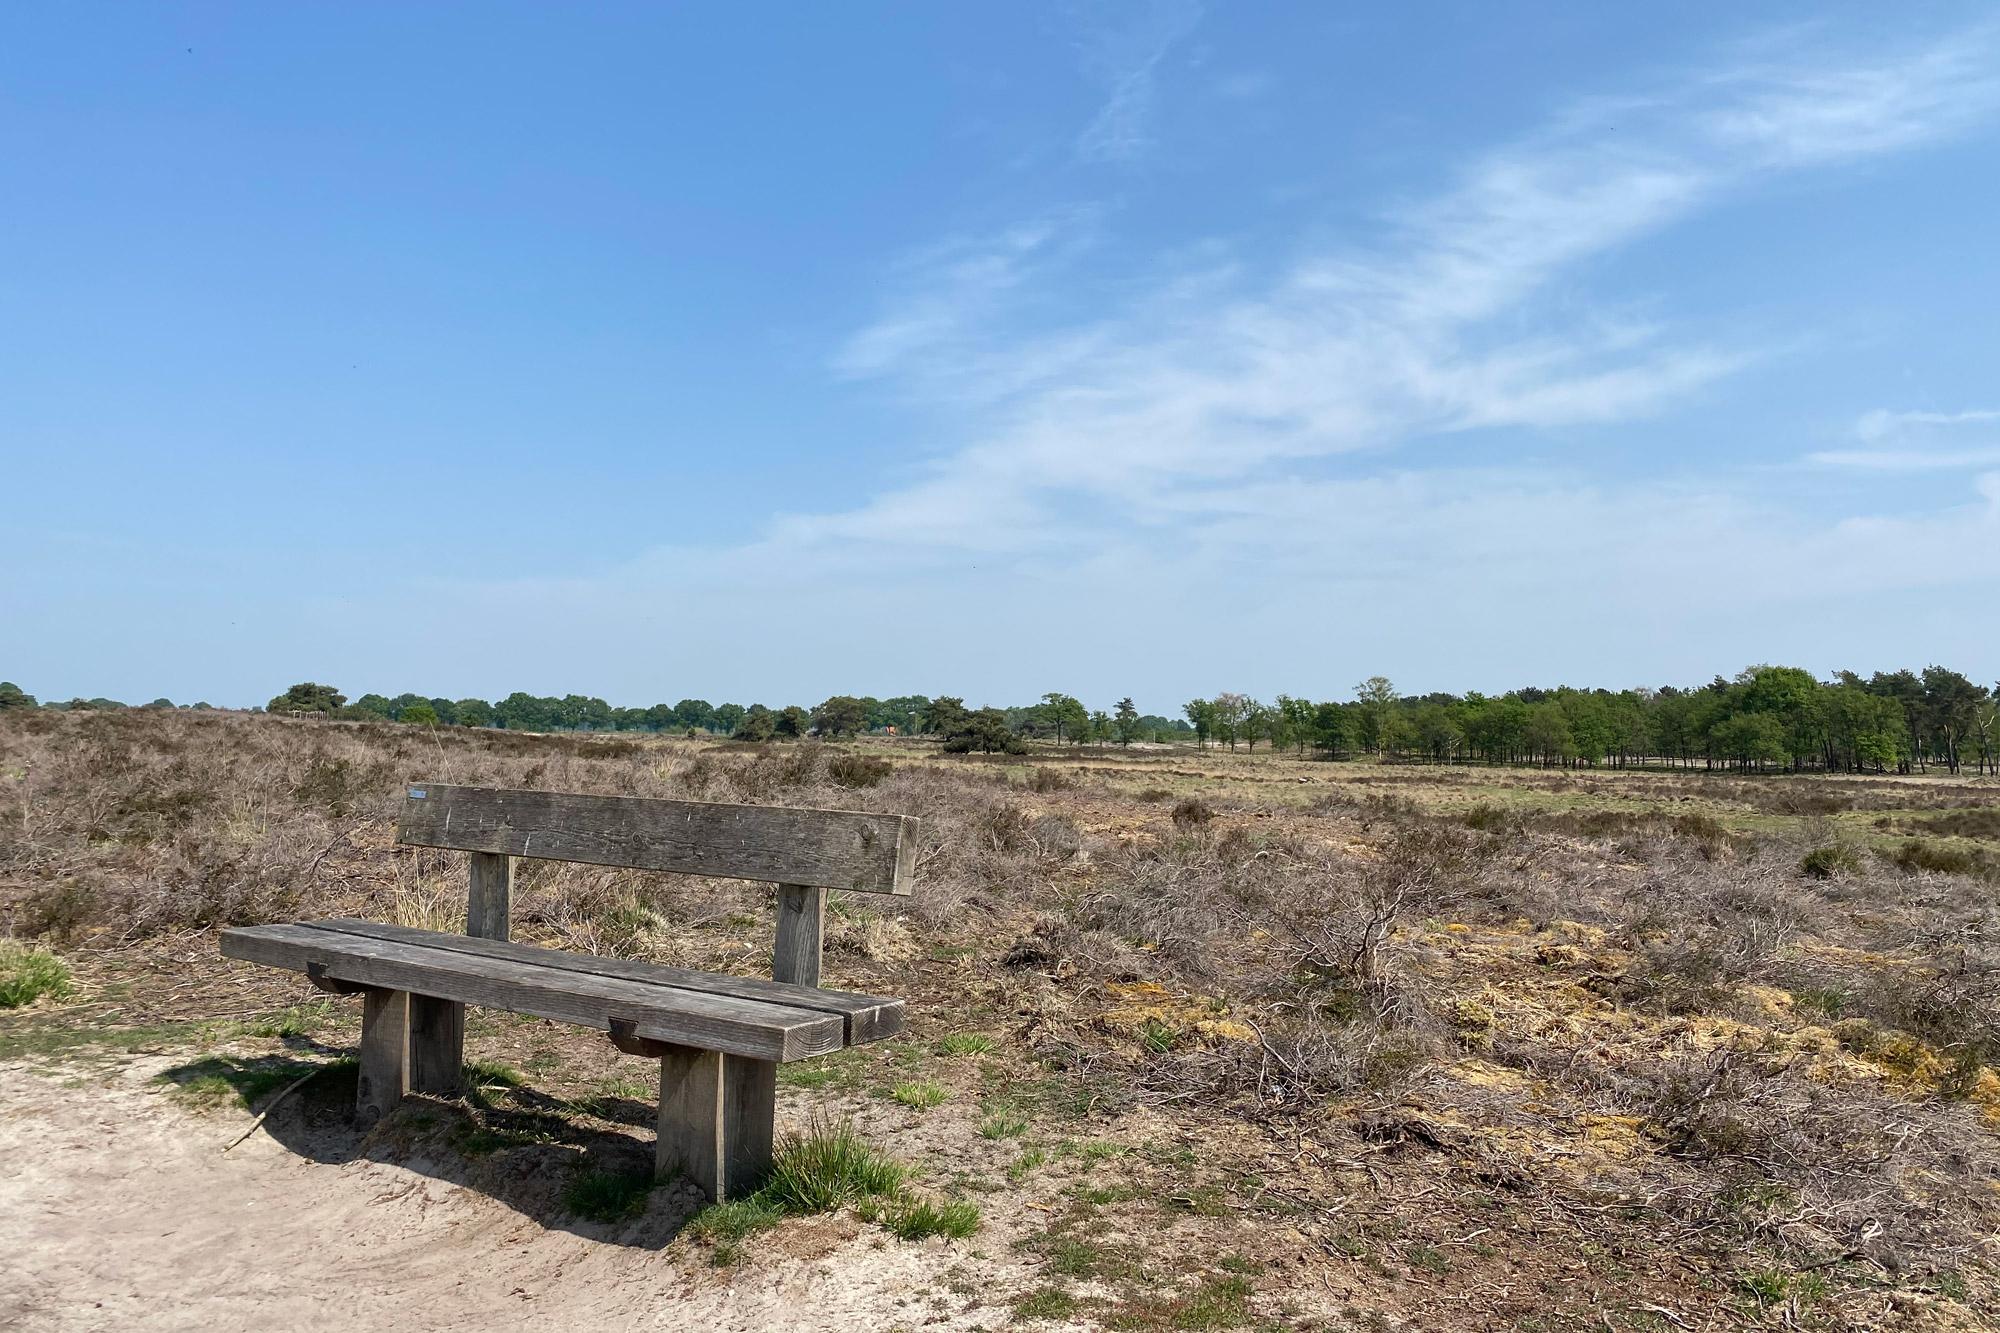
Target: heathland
(1199, 1039)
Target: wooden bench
(719, 1039)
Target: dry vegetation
(1213, 1040)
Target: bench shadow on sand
(522, 1148)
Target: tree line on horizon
(1765, 717)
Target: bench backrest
(826, 849)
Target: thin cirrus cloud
(1171, 452)
(1127, 60)
(1202, 381)
(1919, 442)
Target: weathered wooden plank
(489, 900)
(717, 1117)
(385, 1053)
(715, 1022)
(834, 849)
(437, 1045)
(801, 929)
(689, 1142)
(749, 1120)
(868, 1017)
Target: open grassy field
(1209, 1040)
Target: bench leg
(437, 1046)
(717, 1113)
(385, 1053)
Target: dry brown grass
(1614, 1001)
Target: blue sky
(769, 352)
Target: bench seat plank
(867, 1017)
(754, 1028)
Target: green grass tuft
(920, 1093)
(1003, 1125)
(1048, 1303)
(965, 1043)
(29, 974)
(914, 1219)
(826, 1167)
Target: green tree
(1547, 734)
(307, 698)
(1951, 702)
(12, 696)
(757, 724)
(942, 716)
(473, 713)
(1201, 713)
(1376, 697)
(1100, 728)
(842, 715)
(420, 714)
(793, 721)
(1225, 716)
(1298, 716)
(1256, 723)
(1125, 722)
(987, 731)
(728, 717)
(1329, 728)
(1066, 716)
(1751, 738)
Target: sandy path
(118, 1211)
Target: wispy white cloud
(1174, 452)
(1918, 442)
(1880, 424)
(1127, 60)
(1433, 329)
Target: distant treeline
(1766, 717)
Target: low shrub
(1193, 813)
(858, 770)
(1047, 779)
(1919, 854)
(1829, 861)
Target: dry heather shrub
(1810, 1167)
(1698, 929)
(1047, 778)
(1341, 914)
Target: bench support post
(490, 899)
(801, 929)
(437, 1027)
(717, 1113)
(385, 1053)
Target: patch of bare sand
(118, 1210)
